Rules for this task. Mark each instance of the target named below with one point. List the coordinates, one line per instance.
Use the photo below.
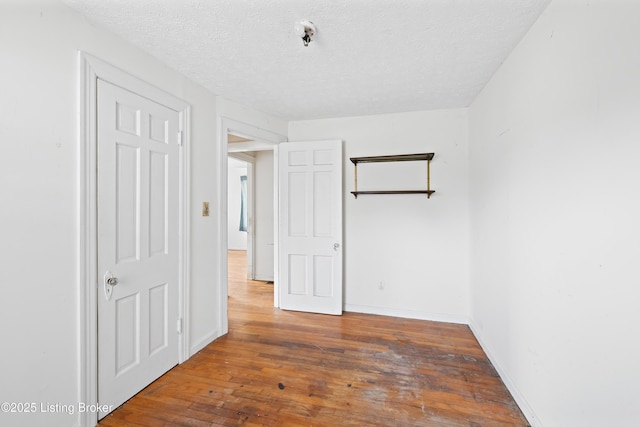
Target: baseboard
(202, 343)
(526, 409)
(407, 314)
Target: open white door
(310, 228)
(138, 231)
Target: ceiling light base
(306, 30)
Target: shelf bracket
(428, 179)
(355, 176)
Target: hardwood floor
(278, 368)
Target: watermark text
(52, 408)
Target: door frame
(90, 70)
(262, 140)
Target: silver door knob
(336, 246)
(109, 282)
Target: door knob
(336, 246)
(109, 282)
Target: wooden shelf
(394, 158)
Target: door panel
(158, 318)
(158, 203)
(311, 226)
(137, 242)
(127, 203)
(127, 333)
(323, 276)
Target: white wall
(39, 44)
(237, 240)
(417, 248)
(554, 149)
(263, 219)
(249, 116)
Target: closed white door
(138, 183)
(310, 228)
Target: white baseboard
(407, 314)
(526, 409)
(208, 339)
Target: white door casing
(310, 229)
(138, 242)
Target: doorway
(246, 139)
(251, 212)
(240, 207)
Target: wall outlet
(205, 208)
(381, 286)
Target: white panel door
(138, 183)
(310, 229)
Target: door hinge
(180, 137)
(179, 326)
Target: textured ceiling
(368, 56)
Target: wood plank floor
(278, 368)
